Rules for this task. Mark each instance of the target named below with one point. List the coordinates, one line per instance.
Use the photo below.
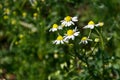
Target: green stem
(12, 43)
(93, 48)
(103, 66)
(85, 59)
(102, 47)
(101, 38)
(89, 33)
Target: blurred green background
(26, 49)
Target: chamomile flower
(55, 27)
(59, 40)
(99, 24)
(68, 21)
(71, 34)
(85, 40)
(90, 25)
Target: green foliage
(27, 51)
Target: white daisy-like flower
(85, 40)
(55, 27)
(71, 34)
(68, 21)
(59, 40)
(90, 25)
(99, 24)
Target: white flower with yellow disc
(71, 34)
(55, 27)
(90, 25)
(85, 40)
(59, 40)
(68, 21)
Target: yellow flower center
(84, 38)
(55, 26)
(101, 23)
(68, 18)
(91, 23)
(59, 38)
(70, 32)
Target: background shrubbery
(26, 49)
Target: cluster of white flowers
(91, 25)
(72, 30)
(71, 33)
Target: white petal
(91, 26)
(62, 42)
(54, 42)
(50, 30)
(86, 42)
(80, 42)
(66, 41)
(68, 23)
(65, 38)
(58, 42)
(54, 29)
(89, 39)
(60, 27)
(75, 29)
(70, 37)
(72, 22)
(97, 25)
(75, 19)
(85, 27)
(73, 37)
(76, 33)
(63, 22)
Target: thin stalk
(93, 48)
(12, 43)
(84, 58)
(102, 47)
(89, 33)
(101, 38)
(86, 61)
(103, 65)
